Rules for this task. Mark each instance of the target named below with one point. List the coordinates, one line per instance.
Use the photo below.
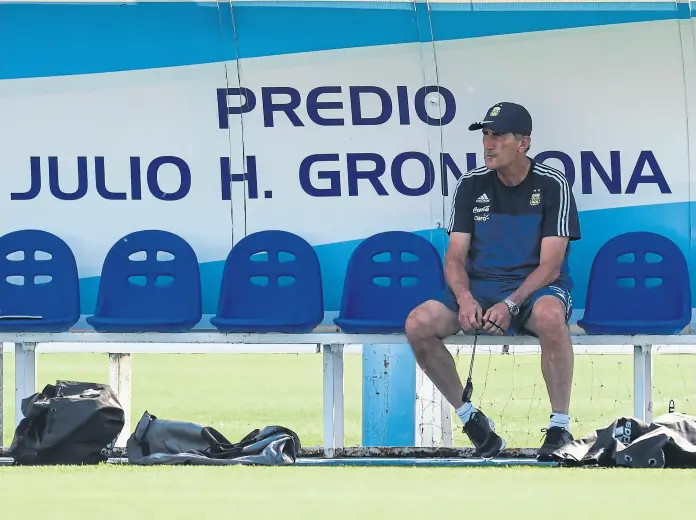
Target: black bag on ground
(160, 441)
(68, 423)
(668, 442)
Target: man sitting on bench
(506, 267)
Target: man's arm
(560, 224)
(553, 250)
(459, 229)
(455, 264)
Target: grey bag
(668, 442)
(160, 441)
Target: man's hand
(497, 319)
(470, 313)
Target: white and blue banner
(334, 120)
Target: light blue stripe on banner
(40, 39)
(553, 6)
(449, 21)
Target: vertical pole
(642, 382)
(120, 375)
(333, 399)
(25, 376)
(647, 360)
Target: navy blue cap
(506, 117)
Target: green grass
(237, 393)
(172, 493)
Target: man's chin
(491, 162)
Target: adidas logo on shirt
(483, 199)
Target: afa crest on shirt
(535, 199)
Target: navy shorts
(488, 294)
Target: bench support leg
(388, 395)
(120, 382)
(642, 383)
(25, 376)
(333, 399)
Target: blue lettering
(35, 181)
(397, 174)
(184, 178)
(402, 98)
(446, 164)
(333, 176)
(102, 190)
(100, 179)
(588, 160)
(355, 106)
(226, 178)
(372, 175)
(314, 105)
(384, 105)
(288, 108)
(450, 105)
(224, 110)
(470, 161)
(53, 184)
(657, 177)
(568, 167)
(136, 178)
(250, 177)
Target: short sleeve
(560, 212)
(461, 214)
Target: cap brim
(478, 125)
(498, 127)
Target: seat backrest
(389, 274)
(150, 274)
(38, 276)
(271, 273)
(639, 276)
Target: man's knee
(430, 319)
(548, 317)
(419, 322)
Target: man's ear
(526, 143)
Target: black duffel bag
(164, 441)
(68, 423)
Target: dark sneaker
(481, 432)
(556, 437)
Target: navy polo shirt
(507, 223)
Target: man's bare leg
(426, 327)
(547, 321)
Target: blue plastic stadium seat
(150, 282)
(271, 283)
(388, 275)
(39, 282)
(639, 284)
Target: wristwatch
(512, 306)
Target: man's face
(500, 150)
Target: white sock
(560, 420)
(465, 411)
